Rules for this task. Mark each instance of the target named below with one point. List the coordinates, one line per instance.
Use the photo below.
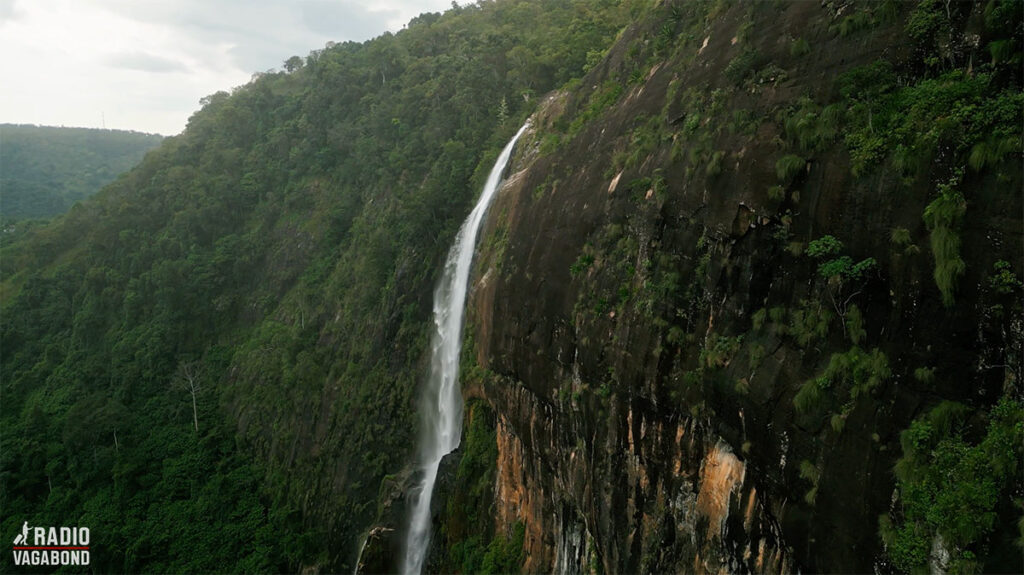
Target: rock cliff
(682, 384)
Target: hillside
(280, 253)
(44, 170)
(750, 301)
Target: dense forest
(276, 257)
(44, 170)
(789, 230)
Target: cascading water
(442, 407)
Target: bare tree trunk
(189, 374)
(195, 414)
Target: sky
(144, 64)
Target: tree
(840, 272)
(292, 64)
(188, 377)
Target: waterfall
(442, 406)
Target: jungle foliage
(44, 170)
(259, 285)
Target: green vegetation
(900, 237)
(809, 323)
(600, 100)
(952, 126)
(971, 114)
(854, 321)
(950, 485)
(758, 318)
(285, 245)
(787, 167)
(1003, 281)
(810, 473)
(609, 262)
(810, 128)
(901, 240)
(992, 151)
(643, 141)
(925, 375)
(473, 547)
(859, 20)
(809, 396)
(847, 377)
(799, 47)
(1004, 287)
(743, 66)
(581, 265)
(842, 275)
(43, 170)
(505, 554)
(943, 218)
(714, 165)
(721, 351)
(224, 346)
(961, 112)
(825, 246)
(844, 268)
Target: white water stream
(442, 405)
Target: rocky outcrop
(650, 493)
(644, 312)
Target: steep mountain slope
(756, 302)
(44, 170)
(212, 363)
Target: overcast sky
(144, 64)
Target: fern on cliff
(943, 217)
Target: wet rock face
(384, 547)
(443, 488)
(656, 497)
(644, 424)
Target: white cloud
(144, 64)
(7, 11)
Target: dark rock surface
(648, 444)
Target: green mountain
(44, 170)
(283, 248)
(750, 301)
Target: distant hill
(45, 170)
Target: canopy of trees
(44, 170)
(260, 285)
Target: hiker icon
(23, 538)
